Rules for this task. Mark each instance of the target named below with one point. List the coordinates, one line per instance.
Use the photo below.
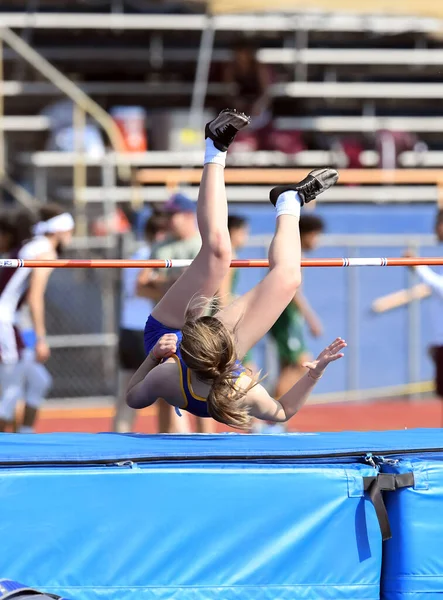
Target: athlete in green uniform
(288, 331)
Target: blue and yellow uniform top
(194, 403)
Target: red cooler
(131, 122)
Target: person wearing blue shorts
(36, 379)
(194, 357)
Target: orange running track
(367, 416)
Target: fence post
(414, 331)
(79, 174)
(353, 335)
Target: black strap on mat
(385, 482)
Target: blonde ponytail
(208, 349)
(225, 405)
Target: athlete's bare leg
(251, 316)
(204, 276)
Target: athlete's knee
(8, 402)
(38, 383)
(38, 378)
(11, 381)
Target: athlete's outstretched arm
(431, 278)
(143, 391)
(263, 406)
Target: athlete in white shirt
(134, 311)
(24, 284)
(434, 279)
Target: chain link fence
(82, 308)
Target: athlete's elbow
(139, 398)
(280, 417)
(131, 398)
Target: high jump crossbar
(245, 263)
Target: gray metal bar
(301, 43)
(90, 243)
(353, 329)
(202, 75)
(40, 183)
(109, 300)
(82, 340)
(108, 183)
(71, 402)
(109, 314)
(360, 240)
(414, 331)
(260, 193)
(319, 21)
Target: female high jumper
(193, 360)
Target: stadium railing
(272, 56)
(360, 124)
(322, 21)
(366, 90)
(351, 56)
(252, 185)
(82, 105)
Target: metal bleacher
(382, 73)
(335, 76)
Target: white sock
(214, 155)
(26, 429)
(288, 203)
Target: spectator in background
(36, 379)
(434, 279)
(288, 331)
(250, 81)
(134, 311)
(183, 243)
(51, 233)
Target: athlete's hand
(165, 347)
(42, 351)
(328, 355)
